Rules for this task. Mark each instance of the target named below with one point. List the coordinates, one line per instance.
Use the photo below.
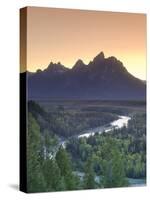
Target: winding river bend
(119, 123)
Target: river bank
(133, 182)
(119, 123)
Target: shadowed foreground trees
(35, 177)
(113, 170)
(44, 173)
(100, 161)
(64, 163)
(89, 178)
(53, 179)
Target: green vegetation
(115, 155)
(100, 161)
(69, 121)
(47, 172)
(35, 177)
(89, 178)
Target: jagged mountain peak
(79, 62)
(114, 60)
(100, 57)
(56, 68)
(79, 65)
(102, 78)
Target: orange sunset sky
(67, 35)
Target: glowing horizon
(66, 35)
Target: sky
(62, 35)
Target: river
(116, 124)
(119, 123)
(133, 182)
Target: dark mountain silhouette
(102, 78)
(79, 66)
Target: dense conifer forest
(58, 160)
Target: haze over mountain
(103, 78)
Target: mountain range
(103, 78)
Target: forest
(105, 160)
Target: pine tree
(112, 166)
(64, 163)
(54, 181)
(89, 178)
(35, 178)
